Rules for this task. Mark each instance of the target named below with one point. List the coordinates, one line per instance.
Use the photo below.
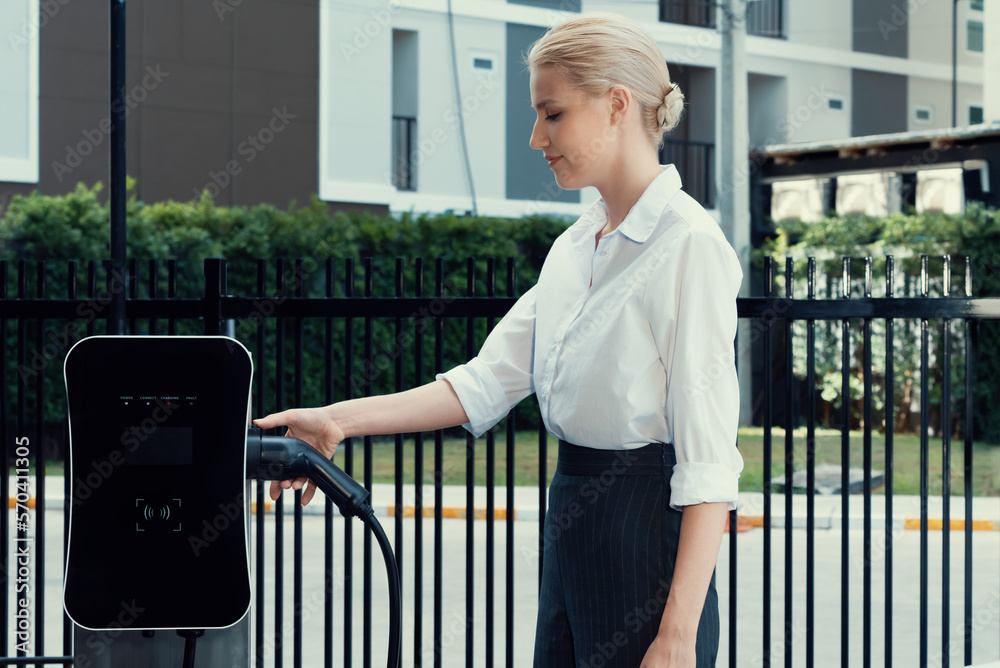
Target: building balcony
(764, 18)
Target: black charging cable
(190, 637)
(284, 458)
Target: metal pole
(954, 63)
(733, 190)
(117, 283)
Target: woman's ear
(621, 100)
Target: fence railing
(349, 340)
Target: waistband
(651, 459)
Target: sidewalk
(828, 509)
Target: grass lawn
(906, 449)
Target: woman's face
(571, 129)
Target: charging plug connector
(284, 458)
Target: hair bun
(669, 111)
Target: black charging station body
(158, 535)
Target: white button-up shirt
(627, 344)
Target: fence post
(215, 290)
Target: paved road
(905, 629)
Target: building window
(688, 12)
(764, 18)
(404, 137)
(975, 114)
(976, 5)
(483, 62)
(923, 114)
(405, 77)
(975, 36)
(835, 103)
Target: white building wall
(929, 25)
(439, 159)
(355, 101)
(935, 94)
(823, 24)
(802, 72)
(19, 90)
(807, 115)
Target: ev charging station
(158, 554)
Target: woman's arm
(425, 408)
(702, 526)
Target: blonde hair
(598, 51)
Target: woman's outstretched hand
(316, 427)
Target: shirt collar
(642, 219)
(644, 215)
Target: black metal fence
(305, 307)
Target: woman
(627, 339)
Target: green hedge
(75, 227)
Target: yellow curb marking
(908, 523)
(453, 512)
(955, 525)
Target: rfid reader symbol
(156, 515)
(163, 512)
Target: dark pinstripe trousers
(610, 543)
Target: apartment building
(423, 105)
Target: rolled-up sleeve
(702, 401)
(500, 376)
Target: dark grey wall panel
(528, 176)
(559, 5)
(881, 26)
(227, 71)
(879, 103)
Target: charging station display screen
(157, 464)
(165, 446)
